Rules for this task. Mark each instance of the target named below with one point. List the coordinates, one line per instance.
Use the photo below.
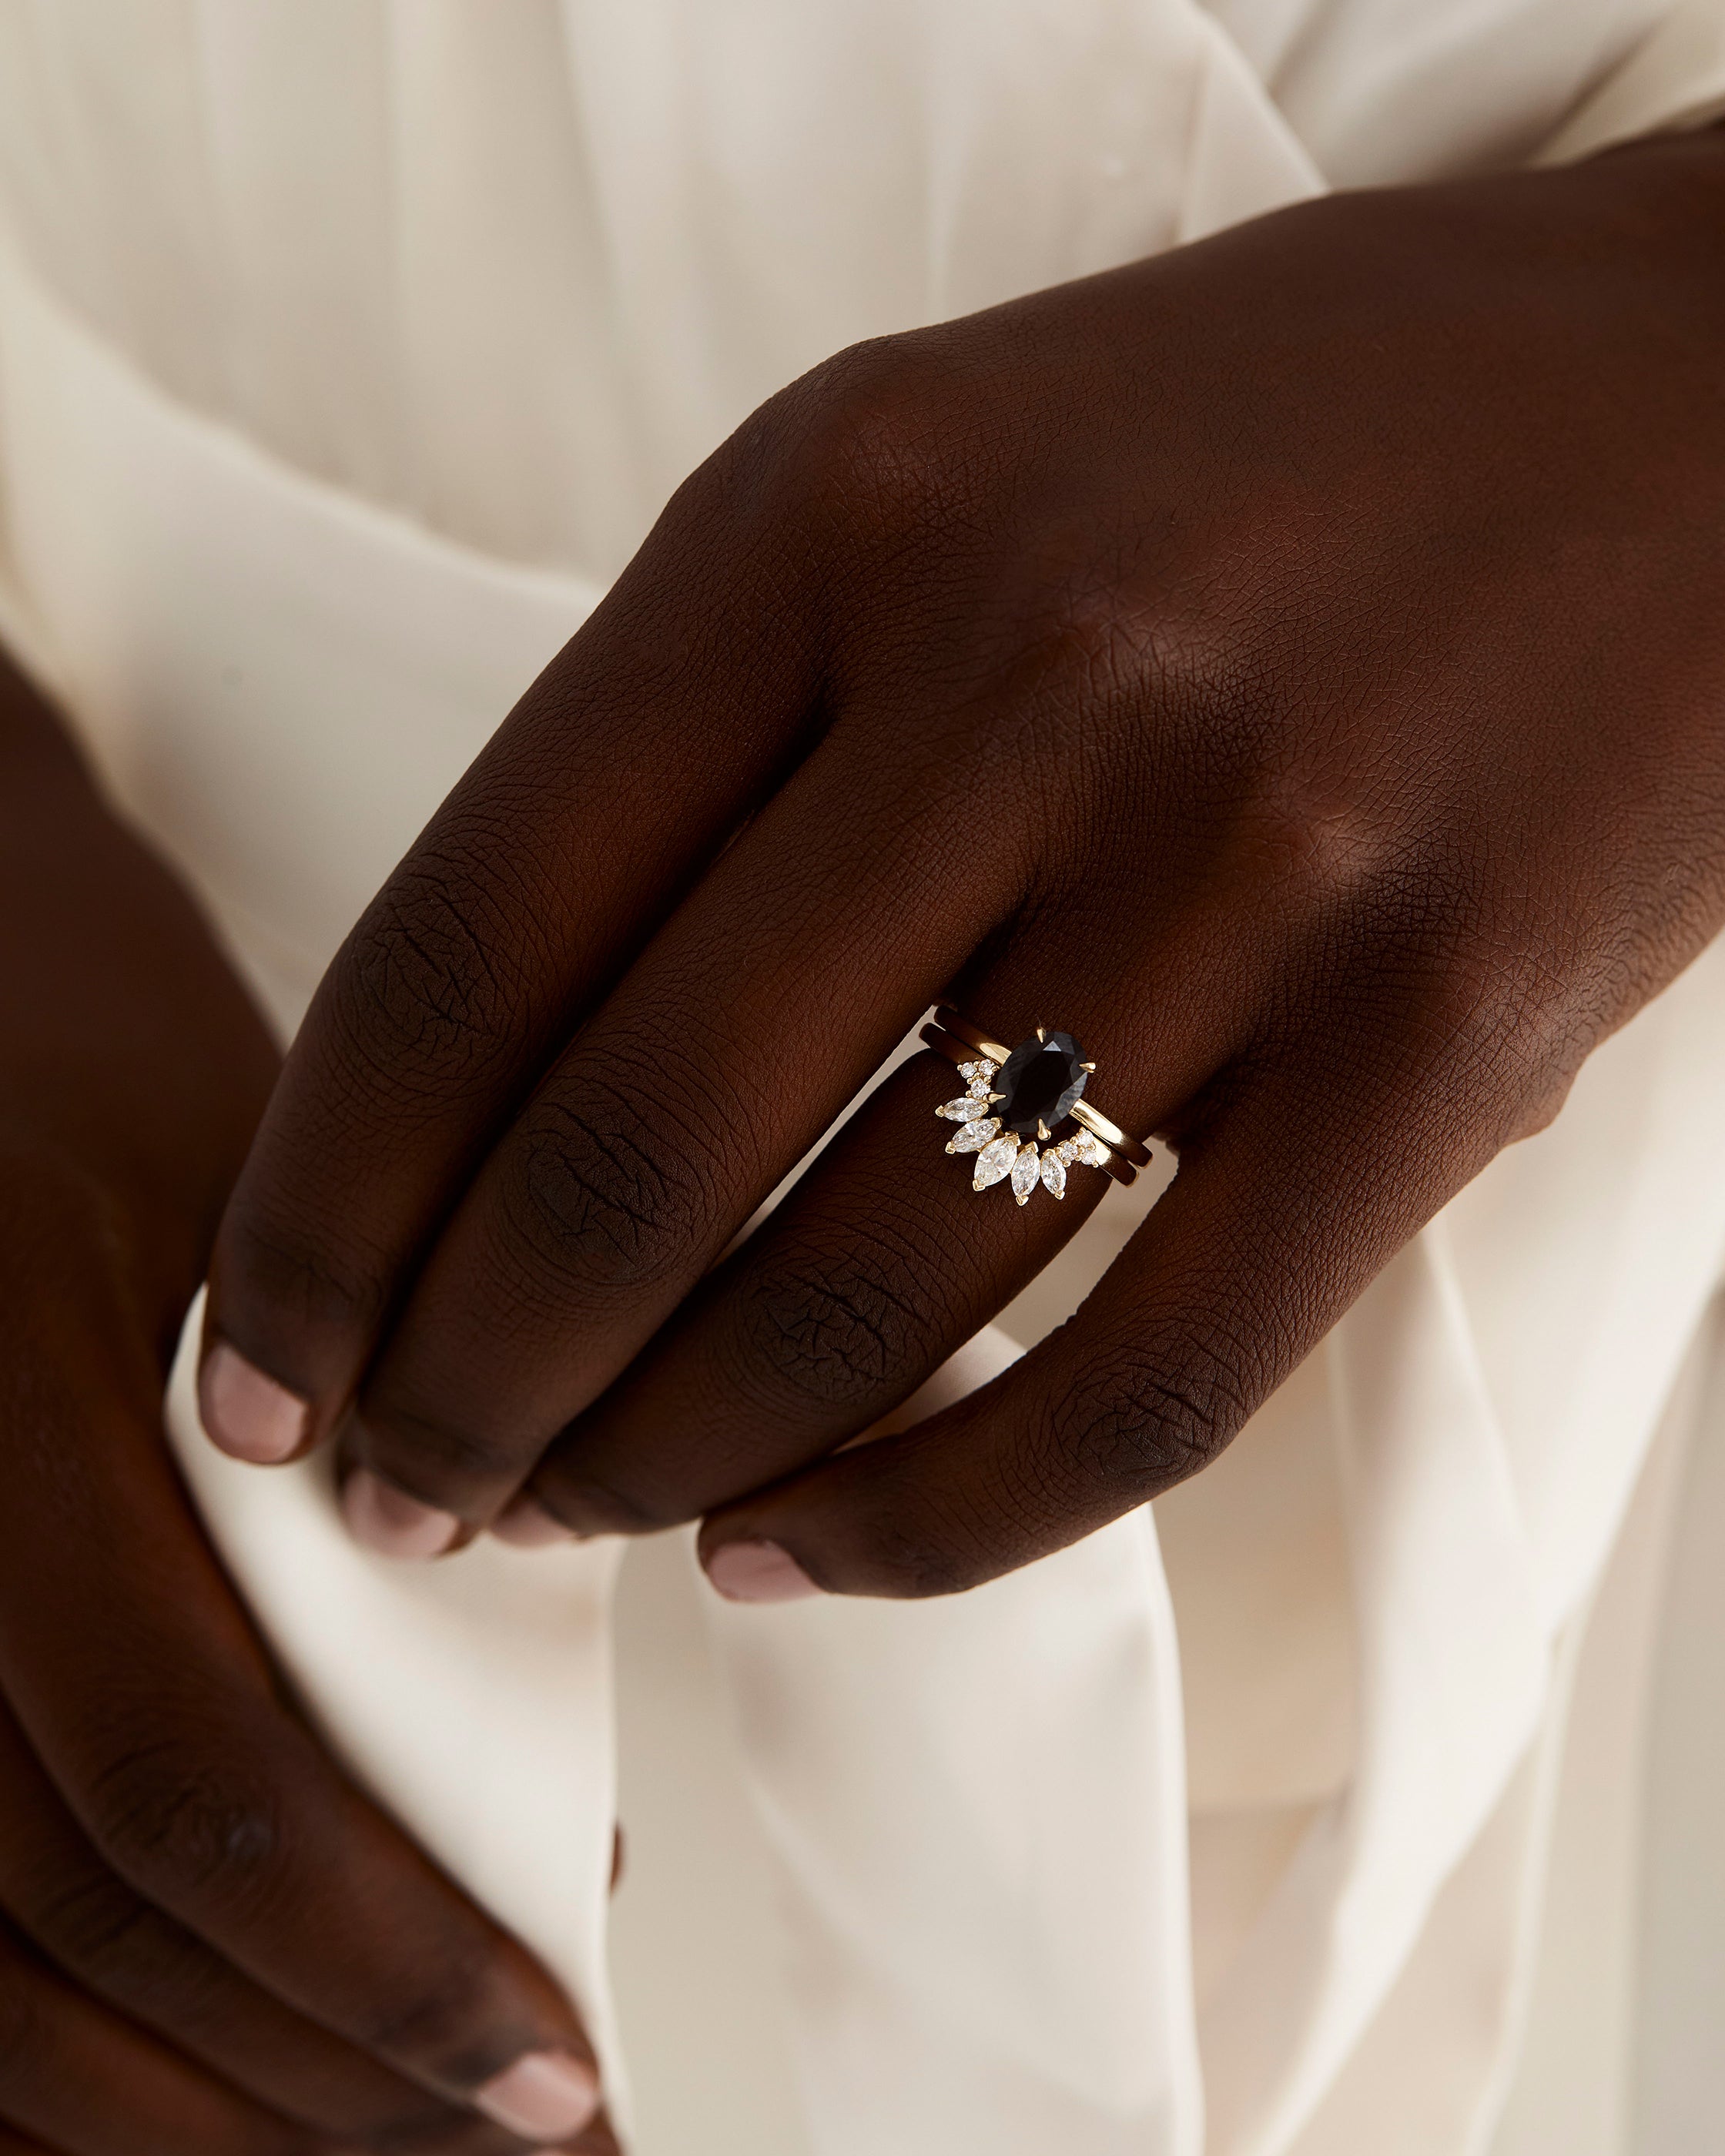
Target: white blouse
(347, 348)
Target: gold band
(968, 1035)
(1092, 1119)
(957, 1040)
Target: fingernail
(525, 1524)
(758, 1572)
(547, 2095)
(246, 1415)
(390, 1522)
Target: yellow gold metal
(1110, 1134)
(978, 1044)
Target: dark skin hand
(211, 1943)
(1296, 665)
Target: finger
(878, 1266)
(92, 2085)
(572, 836)
(888, 1255)
(151, 1704)
(712, 1068)
(112, 1945)
(1282, 1211)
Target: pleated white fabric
(346, 349)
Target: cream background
(345, 350)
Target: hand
(1295, 666)
(210, 1942)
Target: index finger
(566, 845)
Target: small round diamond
(994, 1162)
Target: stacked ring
(1015, 1101)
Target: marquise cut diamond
(994, 1162)
(976, 1135)
(1025, 1171)
(1011, 1111)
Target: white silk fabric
(346, 349)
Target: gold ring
(1019, 1096)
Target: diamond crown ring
(1016, 1101)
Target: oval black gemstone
(1041, 1078)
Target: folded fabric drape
(315, 444)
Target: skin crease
(1295, 664)
(210, 1944)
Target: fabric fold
(288, 589)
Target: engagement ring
(1016, 1101)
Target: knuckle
(186, 1828)
(1313, 851)
(1137, 1429)
(1472, 1003)
(837, 1329)
(1097, 630)
(90, 1923)
(103, 1934)
(425, 992)
(1122, 620)
(876, 436)
(597, 1193)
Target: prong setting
(1009, 1113)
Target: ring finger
(881, 1263)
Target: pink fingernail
(388, 1521)
(758, 1572)
(546, 2096)
(525, 1524)
(246, 1415)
